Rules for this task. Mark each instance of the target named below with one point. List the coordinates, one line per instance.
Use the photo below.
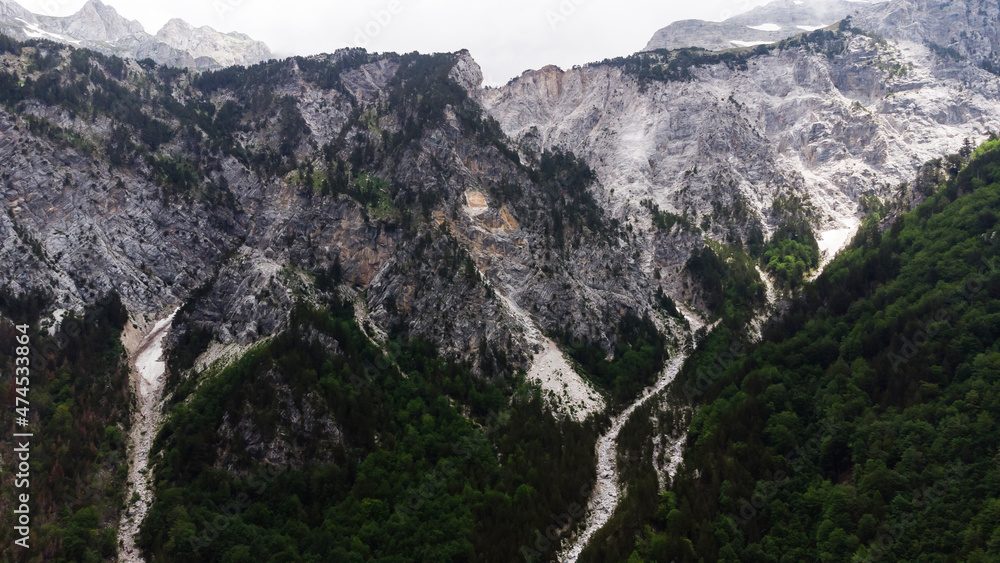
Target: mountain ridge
(769, 23)
(100, 27)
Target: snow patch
(810, 27)
(833, 241)
(57, 318)
(35, 32)
(766, 27)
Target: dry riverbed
(148, 368)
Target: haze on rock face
(100, 27)
(765, 24)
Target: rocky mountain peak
(176, 24)
(100, 27)
(11, 10)
(226, 49)
(956, 30)
(97, 21)
(765, 24)
(467, 73)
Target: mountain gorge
(403, 308)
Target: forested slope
(425, 462)
(865, 426)
(76, 398)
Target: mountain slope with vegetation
(375, 265)
(426, 461)
(76, 393)
(864, 427)
(291, 210)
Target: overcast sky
(506, 37)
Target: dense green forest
(433, 465)
(636, 362)
(791, 253)
(864, 427)
(79, 412)
(729, 280)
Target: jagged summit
(100, 27)
(765, 24)
(95, 21)
(225, 48)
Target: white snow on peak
(766, 27)
(35, 32)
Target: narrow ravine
(771, 294)
(607, 489)
(148, 369)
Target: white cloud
(505, 37)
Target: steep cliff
(725, 140)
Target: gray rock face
(77, 229)
(466, 239)
(10, 10)
(225, 49)
(765, 24)
(99, 27)
(446, 273)
(95, 22)
(958, 30)
(828, 122)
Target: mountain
(357, 306)
(959, 31)
(222, 49)
(769, 23)
(95, 22)
(738, 143)
(369, 187)
(99, 27)
(801, 420)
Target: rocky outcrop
(956, 31)
(305, 431)
(78, 229)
